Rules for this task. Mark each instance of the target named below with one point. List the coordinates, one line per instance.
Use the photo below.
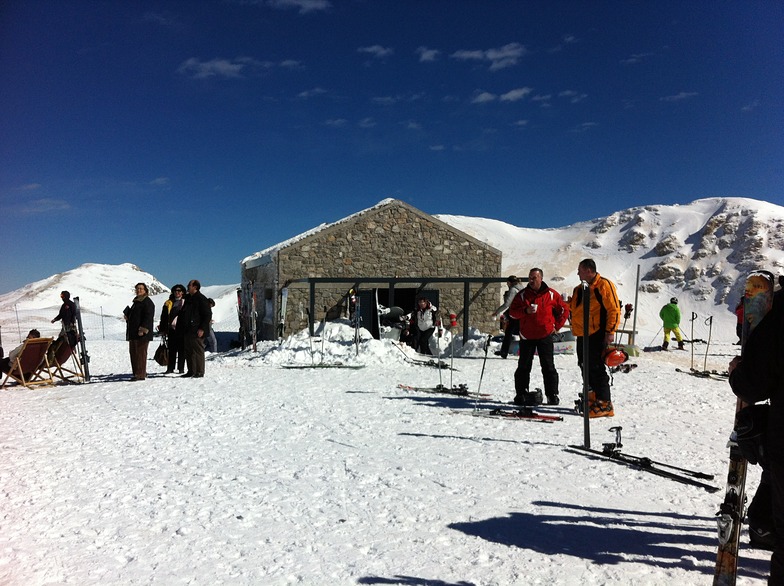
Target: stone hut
(405, 250)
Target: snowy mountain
(103, 291)
(698, 252)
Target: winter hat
(674, 300)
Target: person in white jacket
(425, 320)
(512, 326)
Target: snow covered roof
(264, 256)
(261, 257)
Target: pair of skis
(612, 451)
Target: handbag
(162, 354)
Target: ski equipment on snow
(84, 357)
(612, 451)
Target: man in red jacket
(542, 312)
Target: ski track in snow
(258, 474)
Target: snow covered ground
(259, 474)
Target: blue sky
(183, 136)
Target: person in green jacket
(671, 316)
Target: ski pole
(693, 317)
(708, 321)
(656, 335)
(484, 362)
(586, 387)
(451, 360)
(438, 358)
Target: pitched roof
(263, 256)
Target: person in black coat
(759, 376)
(195, 317)
(168, 327)
(139, 317)
(68, 316)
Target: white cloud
(385, 100)
(750, 106)
(291, 64)
(635, 58)
(573, 96)
(483, 97)
(585, 127)
(336, 122)
(226, 68)
(304, 6)
(499, 58)
(160, 181)
(44, 206)
(312, 93)
(679, 97)
(30, 187)
(520, 123)
(437, 147)
(426, 54)
(516, 94)
(367, 123)
(377, 51)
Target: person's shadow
(612, 536)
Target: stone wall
(393, 240)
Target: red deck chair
(31, 367)
(64, 362)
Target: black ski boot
(553, 399)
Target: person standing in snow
(175, 339)
(67, 315)
(195, 318)
(425, 321)
(139, 317)
(512, 327)
(212, 341)
(603, 320)
(541, 313)
(759, 376)
(670, 315)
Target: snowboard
(757, 302)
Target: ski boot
(529, 399)
(600, 409)
(578, 403)
(680, 346)
(665, 345)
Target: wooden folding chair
(61, 356)
(31, 367)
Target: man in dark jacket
(195, 318)
(68, 316)
(758, 376)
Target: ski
(84, 356)
(710, 374)
(612, 451)
(522, 414)
(459, 391)
(431, 362)
(324, 365)
(644, 464)
(757, 301)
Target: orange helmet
(615, 356)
